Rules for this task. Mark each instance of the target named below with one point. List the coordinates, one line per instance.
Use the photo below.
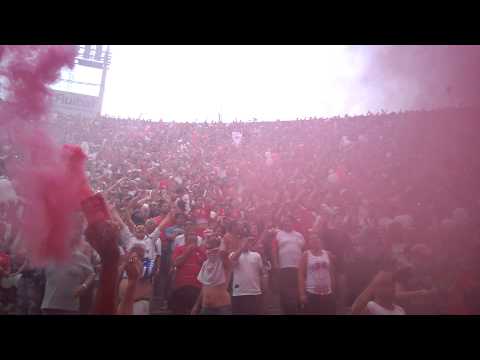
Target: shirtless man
(214, 298)
(146, 244)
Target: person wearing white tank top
(317, 279)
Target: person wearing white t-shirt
(65, 283)
(287, 254)
(378, 298)
(316, 279)
(247, 279)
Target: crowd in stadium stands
(373, 214)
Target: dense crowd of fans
(374, 214)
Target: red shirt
(187, 273)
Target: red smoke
(417, 76)
(49, 177)
(29, 70)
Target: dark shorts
(183, 299)
(247, 304)
(222, 310)
(29, 295)
(320, 304)
(86, 300)
(288, 290)
(162, 284)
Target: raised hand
(133, 267)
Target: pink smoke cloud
(49, 177)
(416, 76)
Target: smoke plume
(416, 77)
(49, 177)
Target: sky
(197, 83)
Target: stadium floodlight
(98, 52)
(97, 57)
(86, 51)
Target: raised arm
(135, 202)
(132, 204)
(107, 191)
(117, 218)
(166, 220)
(403, 295)
(162, 225)
(362, 300)
(318, 224)
(103, 236)
(133, 269)
(280, 211)
(301, 194)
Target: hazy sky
(196, 83)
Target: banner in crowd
(71, 103)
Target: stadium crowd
(373, 214)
